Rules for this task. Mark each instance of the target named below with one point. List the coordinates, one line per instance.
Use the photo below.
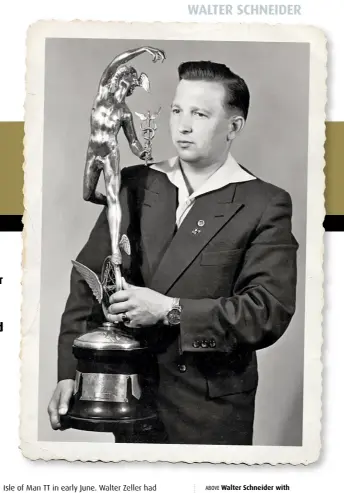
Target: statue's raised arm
(125, 57)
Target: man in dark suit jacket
(212, 271)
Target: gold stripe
(11, 167)
(334, 169)
(11, 173)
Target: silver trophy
(115, 377)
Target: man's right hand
(59, 402)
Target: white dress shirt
(229, 172)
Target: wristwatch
(173, 316)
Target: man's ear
(235, 125)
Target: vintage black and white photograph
(173, 242)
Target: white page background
(14, 468)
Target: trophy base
(125, 420)
(116, 426)
(114, 391)
(145, 430)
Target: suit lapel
(158, 217)
(214, 209)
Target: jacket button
(205, 343)
(182, 368)
(196, 344)
(212, 343)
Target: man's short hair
(238, 95)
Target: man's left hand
(141, 306)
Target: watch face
(174, 316)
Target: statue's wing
(125, 244)
(141, 116)
(144, 82)
(91, 278)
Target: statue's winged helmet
(127, 71)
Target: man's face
(199, 122)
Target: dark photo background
(273, 146)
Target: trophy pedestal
(115, 384)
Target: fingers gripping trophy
(112, 389)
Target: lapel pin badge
(200, 223)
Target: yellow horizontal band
(11, 172)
